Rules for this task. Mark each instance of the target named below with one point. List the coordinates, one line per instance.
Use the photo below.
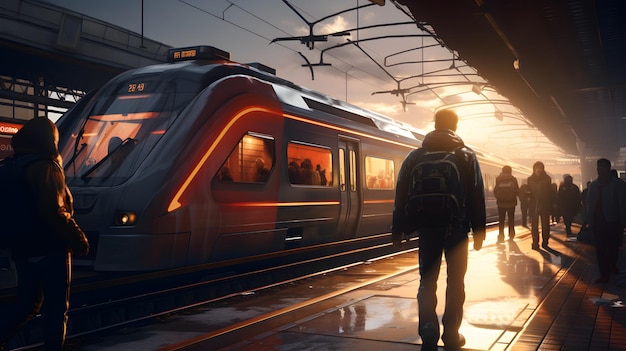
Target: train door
(349, 187)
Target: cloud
(415, 115)
(335, 24)
(338, 24)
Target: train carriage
(203, 159)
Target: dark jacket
(608, 197)
(52, 227)
(474, 204)
(569, 199)
(541, 193)
(499, 192)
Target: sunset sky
(434, 75)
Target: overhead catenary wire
(269, 40)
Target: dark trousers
(608, 237)
(524, 209)
(503, 212)
(567, 220)
(545, 227)
(433, 242)
(49, 277)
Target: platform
(517, 299)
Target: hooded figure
(43, 253)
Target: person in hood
(506, 191)
(451, 240)
(43, 253)
(541, 202)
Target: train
(202, 159)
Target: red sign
(9, 128)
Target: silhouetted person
(262, 173)
(606, 215)
(569, 200)
(43, 252)
(317, 179)
(117, 151)
(382, 182)
(294, 173)
(449, 239)
(306, 172)
(541, 199)
(225, 175)
(114, 143)
(372, 182)
(524, 203)
(505, 191)
(323, 179)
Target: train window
(342, 169)
(352, 155)
(111, 137)
(379, 173)
(309, 164)
(489, 181)
(250, 162)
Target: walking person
(448, 234)
(570, 202)
(47, 241)
(524, 203)
(606, 215)
(541, 204)
(506, 191)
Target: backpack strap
(462, 154)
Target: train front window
(122, 126)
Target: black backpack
(506, 191)
(17, 207)
(436, 190)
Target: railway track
(121, 301)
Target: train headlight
(125, 218)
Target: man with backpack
(440, 194)
(506, 191)
(43, 233)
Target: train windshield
(120, 128)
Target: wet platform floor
(516, 299)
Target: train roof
(213, 64)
